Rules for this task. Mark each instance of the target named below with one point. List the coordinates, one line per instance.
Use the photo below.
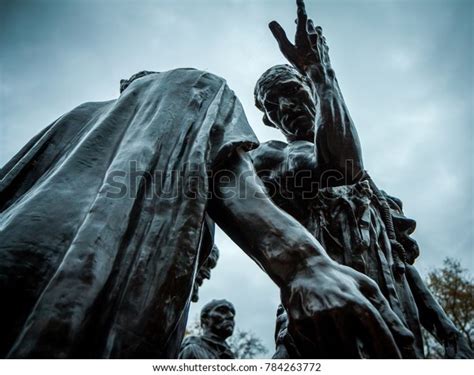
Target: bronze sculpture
(217, 323)
(88, 270)
(94, 265)
(318, 178)
(205, 272)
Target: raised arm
(331, 308)
(337, 140)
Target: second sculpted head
(288, 101)
(217, 318)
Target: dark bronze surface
(318, 178)
(108, 214)
(217, 323)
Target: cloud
(405, 69)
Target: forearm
(274, 240)
(336, 137)
(432, 315)
(334, 111)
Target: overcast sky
(405, 67)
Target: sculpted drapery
(95, 286)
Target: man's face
(220, 321)
(205, 272)
(289, 105)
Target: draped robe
(103, 214)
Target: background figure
(217, 323)
(205, 272)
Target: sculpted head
(287, 101)
(205, 272)
(217, 318)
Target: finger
(403, 337)
(301, 37)
(328, 334)
(285, 45)
(325, 52)
(301, 7)
(374, 333)
(352, 332)
(313, 36)
(339, 339)
(320, 45)
(311, 29)
(322, 332)
(348, 345)
(304, 330)
(307, 337)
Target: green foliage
(194, 328)
(453, 288)
(246, 345)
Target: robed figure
(93, 282)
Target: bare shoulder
(301, 156)
(269, 154)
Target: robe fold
(103, 214)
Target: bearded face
(220, 321)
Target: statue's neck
(213, 337)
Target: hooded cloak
(103, 214)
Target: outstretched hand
(309, 54)
(335, 311)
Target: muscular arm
(337, 142)
(272, 238)
(435, 320)
(317, 293)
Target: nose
(285, 103)
(229, 317)
(206, 274)
(229, 321)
